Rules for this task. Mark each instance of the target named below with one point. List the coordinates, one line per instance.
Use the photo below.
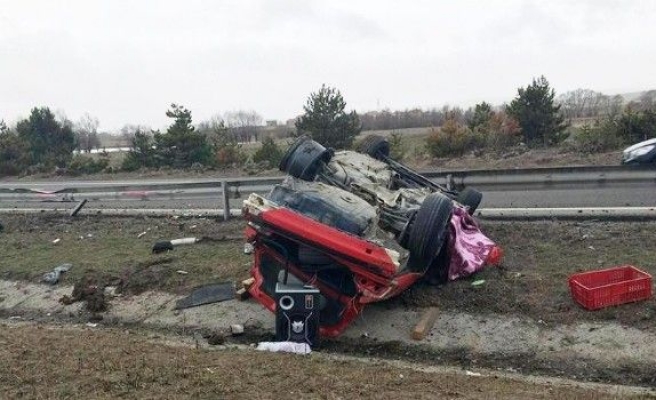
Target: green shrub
(452, 139)
(598, 137)
(501, 132)
(269, 152)
(397, 148)
(82, 165)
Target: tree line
(534, 118)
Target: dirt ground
(38, 361)
(531, 282)
(530, 285)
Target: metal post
(226, 199)
(449, 182)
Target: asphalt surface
(602, 196)
(633, 197)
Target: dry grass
(41, 362)
(112, 246)
(539, 258)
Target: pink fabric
(468, 246)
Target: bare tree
(128, 132)
(86, 130)
(244, 125)
(583, 103)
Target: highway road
(629, 196)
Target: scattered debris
(111, 291)
(142, 234)
(91, 289)
(207, 294)
(53, 277)
(242, 294)
(91, 324)
(216, 339)
(182, 272)
(237, 329)
(425, 324)
(478, 282)
(248, 248)
(56, 241)
(470, 373)
(77, 208)
(286, 347)
(162, 246)
(246, 283)
(167, 245)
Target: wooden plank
(242, 294)
(246, 283)
(425, 323)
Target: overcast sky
(126, 61)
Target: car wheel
(429, 229)
(471, 198)
(303, 159)
(374, 146)
(438, 272)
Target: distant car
(359, 228)
(640, 153)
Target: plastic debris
(182, 272)
(478, 282)
(142, 234)
(56, 241)
(212, 293)
(248, 248)
(237, 329)
(470, 373)
(167, 245)
(284, 347)
(53, 276)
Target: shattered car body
(359, 230)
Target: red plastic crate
(610, 287)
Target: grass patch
(539, 258)
(112, 246)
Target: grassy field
(120, 249)
(532, 281)
(42, 362)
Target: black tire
(304, 159)
(374, 146)
(438, 272)
(162, 246)
(471, 198)
(284, 161)
(429, 230)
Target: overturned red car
(359, 227)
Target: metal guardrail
(223, 189)
(497, 214)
